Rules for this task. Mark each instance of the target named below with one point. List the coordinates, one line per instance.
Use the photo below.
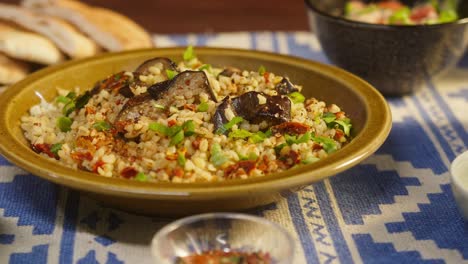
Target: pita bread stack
(12, 70)
(20, 44)
(47, 32)
(98, 23)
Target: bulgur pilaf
(190, 122)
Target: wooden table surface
(184, 16)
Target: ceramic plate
(363, 104)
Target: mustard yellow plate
(363, 104)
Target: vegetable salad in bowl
(394, 12)
(187, 122)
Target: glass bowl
(226, 232)
(459, 182)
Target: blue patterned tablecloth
(395, 207)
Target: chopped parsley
(102, 126)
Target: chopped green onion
(62, 99)
(349, 8)
(229, 125)
(181, 159)
(240, 133)
(189, 53)
(117, 76)
(203, 107)
(159, 106)
(328, 117)
(304, 138)
(159, 128)
(217, 156)
(189, 128)
(310, 159)
(261, 70)
(296, 97)
(251, 156)
(447, 16)
(401, 16)
(369, 9)
(279, 148)
(290, 139)
(64, 123)
(71, 95)
(260, 136)
(141, 177)
(171, 74)
(329, 144)
(177, 138)
(102, 126)
(68, 108)
(173, 130)
(55, 148)
(345, 125)
(82, 100)
(205, 67)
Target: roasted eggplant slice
(285, 87)
(229, 71)
(134, 108)
(167, 64)
(219, 118)
(188, 84)
(256, 108)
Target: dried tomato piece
(129, 172)
(43, 148)
(290, 128)
(240, 168)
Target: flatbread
(65, 36)
(28, 46)
(12, 70)
(111, 30)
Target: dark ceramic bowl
(395, 59)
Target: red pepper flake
(190, 107)
(98, 165)
(177, 172)
(172, 156)
(266, 76)
(171, 122)
(43, 148)
(196, 143)
(290, 128)
(338, 134)
(317, 147)
(340, 115)
(120, 125)
(187, 82)
(263, 164)
(115, 82)
(80, 156)
(243, 167)
(129, 172)
(290, 159)
(89, 110)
